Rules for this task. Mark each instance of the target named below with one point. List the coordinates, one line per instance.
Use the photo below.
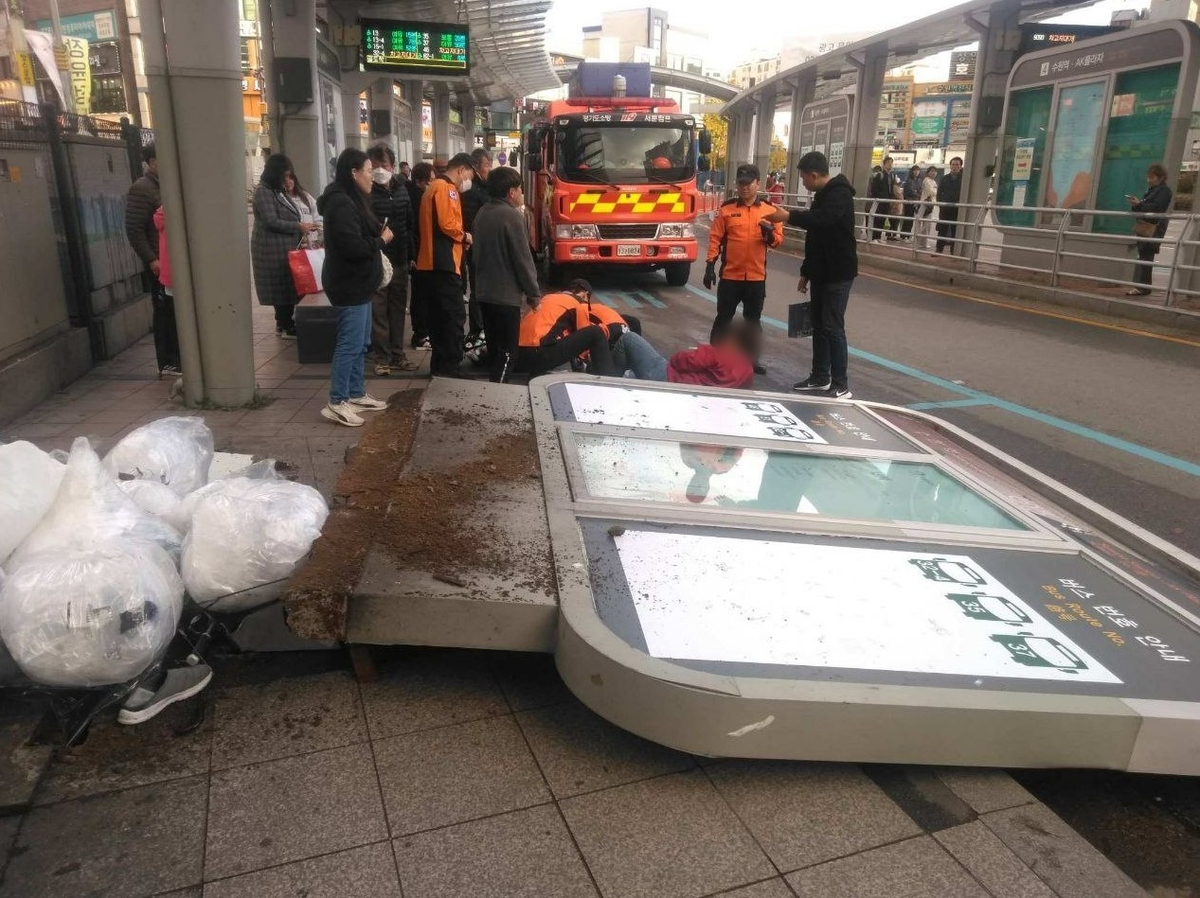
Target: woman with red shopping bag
(353, 271)
(285, 217)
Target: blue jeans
(830, 353)
(634, 353)
(353, 339)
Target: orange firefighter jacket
(441, 228)
(737, 239)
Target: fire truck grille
(628, 231)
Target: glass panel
(627, 468)
(1137, 137)
(1020, 174)
(627, 154)
(1077, 124)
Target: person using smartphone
(1157, 198)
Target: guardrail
(977, 239)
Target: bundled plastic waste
(174, 451)
(246, 532)
(155, 499)
(29, 478)
(91, 616)
(90, 509)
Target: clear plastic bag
(247, 532)
(29, 480)
(176, 451)
(89, 509)
(91, 617)
(154, 498)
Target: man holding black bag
(742, 232)
(830, 266)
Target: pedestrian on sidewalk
(1157, 198)
(440, 257)
(949, 194)
(285, 218)
(883, 188)
(830, 267)
(353, 271)
(418, 301)
(143, 198)
(389, 304)
(923, 230)
(474, 198)
(912, 198)
(505, 268)
(740, 236)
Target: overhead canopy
(835, 71)
(508, 41)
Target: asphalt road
(1107, 408)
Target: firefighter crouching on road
(561, 329)
(740, 236)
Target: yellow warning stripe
(629, 202)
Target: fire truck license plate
(628, 249)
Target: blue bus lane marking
(978, 398)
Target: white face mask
(381, 176)
(466, 185)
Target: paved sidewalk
(467, 773)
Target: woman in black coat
(353, 271)
(1157, 198)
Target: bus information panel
(415, 48)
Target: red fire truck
(610, 176)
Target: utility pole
(62, 61)
(19, 51)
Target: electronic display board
(415, 48)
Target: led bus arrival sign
(415, 48)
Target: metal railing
(977, 239)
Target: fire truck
(610, 176)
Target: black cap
(747, 173)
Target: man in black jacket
(140, 205)
(949, 193)
(830, 266)
(882, 189)
(473, 199)
(390, 203)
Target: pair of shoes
(170, 371)
(382, 369)
(759, 369)
(839, 393)
(180, 683)
(342, 413)
(813, 384)
(286, 333)
(1137, 292)
(421, 345)
(367, 403)
(402, 363)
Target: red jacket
(710, 366)
(164, 257)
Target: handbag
(305, 265)
(1143, 228)
(387, 270)
(800, 319)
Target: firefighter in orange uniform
(560, 329)
(439, 257)
(740, 238)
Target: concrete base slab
(36, 375)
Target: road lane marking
(950, 403)
(980, 398)
(650, 298)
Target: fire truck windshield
(620, 153)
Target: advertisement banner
(79, 73)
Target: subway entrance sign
(415, 48)
(744, 574)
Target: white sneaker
(180, 683)
(342, 413)
(368, 403)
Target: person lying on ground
(727, 362)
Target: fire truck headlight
(576, 232)
(676, 231)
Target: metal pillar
(383, 114)
(353, 85)
(739, 150)
(288, 27)
(764, 131)
(864, 116)
(998, 43)
(197, 102)
(803, 93)
(415, 92)
(467, 104)
(441, 125)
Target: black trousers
(501, 329)
(285, 316)
(750, 295)
(947, 227)
(418, 307)
(446, 320)
(1144, 270)
(166, 335)
(474, 313)
(590, 339)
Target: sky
(764, 36)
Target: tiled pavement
(463, 773)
